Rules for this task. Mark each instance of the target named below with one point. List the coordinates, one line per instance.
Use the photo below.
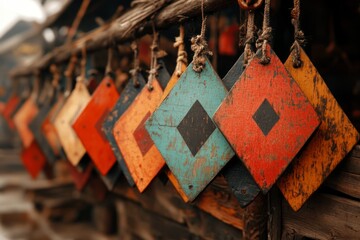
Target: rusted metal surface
(182, 129)
(23, 117)
(73, 106)
(333, 140)
(237, 176)
(33, 159)
(142, 157)
(266, 118)
(88, 125)
(10, 107)
(126, 98)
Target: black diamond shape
(266, 117)
(196, 127)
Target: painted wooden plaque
(183, 131)
(73, 106)
(80, 178)
(236, 174)
(139, 152)
(11, 105)
(88, 125)
(23, 117)
(273, 123)
(35, 126)
(333, 140)
(48, 128)
(126, 98)
(33, 159)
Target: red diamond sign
(266, 118)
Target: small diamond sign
(127, 96)
(33, 159)
(266, 118)
(73, 106)
(22, 119)
(183, 131)
(141, 156)
(88, 125)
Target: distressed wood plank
(323, 217)
(345, 182)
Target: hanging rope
(242, 29)
(136, 66)
(299, 38)
(69, 74)
(199, 45)
(82, 76)
(250, 37)
(109, 68)
(154, 66)
(182, 54)
(265, 34)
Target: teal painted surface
(194, 173)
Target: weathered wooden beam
(132, 24)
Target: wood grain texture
(335, 137)
(33, 159)
(323, 217)
(192, 172)
(127, 96)
(23, 117)
(9, 109)
(87, 125)
(143, 167)
(238, 177)
(274, 114)
(162, 201)
(73, 106)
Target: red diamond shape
(142, 136)
(33, 159)
(266, 156)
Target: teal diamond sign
(183, 131)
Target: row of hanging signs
(269, 122)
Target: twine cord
(199, 45)
(82, 76)
(265, 34)
(299, 37)
(250, 37)
(182, 54)
(136, 69)
(69, 73)
(154, 66)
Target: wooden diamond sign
(236, 174)
(23, 117)
(88, 125)
(333, 140)
(10, 107)
(138, 150)
(35, 127)
(183, 131)
(33, 159)
(73, 106)
(126, 98)
(48, 129)
(266, 118)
